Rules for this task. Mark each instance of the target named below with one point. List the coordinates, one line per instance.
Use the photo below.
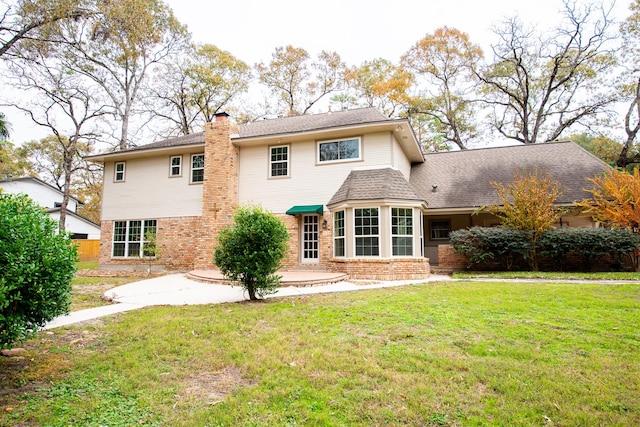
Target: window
(119, 172)
(176, 166)
(197, 168)
(338, 234)
(130, 237)
(440, 229)
(335, 151)
(367, 232)
(279, 161)
(402, 231)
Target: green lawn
(439, 354)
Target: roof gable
(463, 177)
(374, 184)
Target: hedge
(583, 249)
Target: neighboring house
(353, 188)
(50, 198)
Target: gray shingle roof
(374, 184)
(463, 177)
(193, 138)
(310, 122)
(278, 126)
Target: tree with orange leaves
(527, 204)
(615, 199)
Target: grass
(439, 354)
(549, 275)
(87, 291)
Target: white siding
(148, 192)
(400, 161)
(77, 226)
(309, 183)
(43, 195)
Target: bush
(485, 245)
(37, 265)
(588, 245)
(507, 247)
(250, 251)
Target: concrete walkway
(178, 289)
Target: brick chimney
(220, 187)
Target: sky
(358, 30)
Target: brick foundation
(447, 258)
(383, 269)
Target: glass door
(310, 244)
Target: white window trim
(391, 235)
(171, 166)
(271, 162)
(126, 241)
(191, 169)
(355, 237)
(326, 162)
(344, 235)
(115, 171)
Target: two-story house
(351, 187)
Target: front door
(310, 245)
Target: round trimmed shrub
(37, 264)
(250, 251)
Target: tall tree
(11, 162)
(117, 47)
(630, 86)
(381, 84)
(64, 103)
(442, 63)
(540, 86)
(34, 20)
(297, 81)
(197, 84)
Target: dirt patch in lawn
(213, 387)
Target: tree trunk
(251, 288)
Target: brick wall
(178, 242)
(325, 243)
(383, 269)
(447, 258)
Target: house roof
(463, 177)
(75, 215)
(291, 126)
(39, 182)
(310, 122)
(374, 184)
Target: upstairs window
(279, 161)
(197, 168)
(175, 166)
(339, 150)
(119, 172)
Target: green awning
(306, 209)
